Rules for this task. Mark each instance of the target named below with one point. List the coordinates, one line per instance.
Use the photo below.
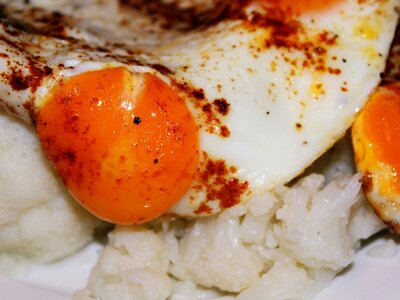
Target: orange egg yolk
(376, 139)
(303, 6)
(125, 144)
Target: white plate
(369, 278)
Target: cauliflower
(285, 280)
(214, 255)
(133, 266)
(314, 222)
(38, 218)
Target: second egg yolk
(376, 139)
(125, 144)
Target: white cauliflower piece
(133, 266)
(38, 218)
(214, 256)
(284, 281)
(314, 222)
(255, 225)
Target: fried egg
(199, 120)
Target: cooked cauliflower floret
(285, 280)
(133, 266)
(38, 218)
(214, 255)
(314, 221)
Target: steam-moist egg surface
(376, 140)
(125, 144)
(268, 86)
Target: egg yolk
(376, 140)
(125, 144)
(304, 6)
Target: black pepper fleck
(137, 120)
(155, 161)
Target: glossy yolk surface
(376, 139)
(125, 144)
(304, 6)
